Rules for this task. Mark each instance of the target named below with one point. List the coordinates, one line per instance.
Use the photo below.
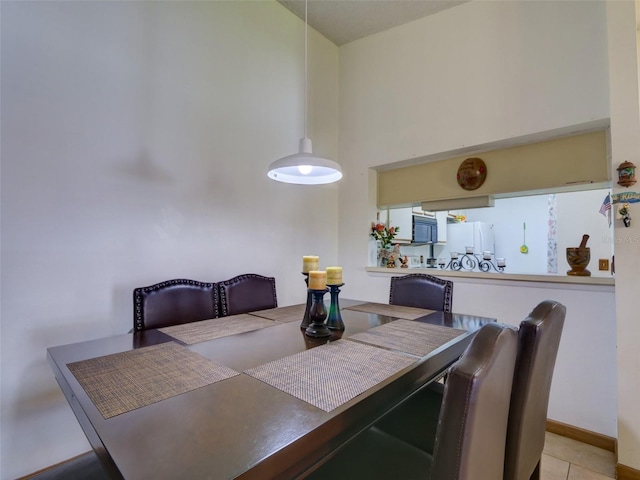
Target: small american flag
(605, 208)
(606, 205)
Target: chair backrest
(173, 302)
(247, 293)
(472, 427)
(538, 342)
(422, 291)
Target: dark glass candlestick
(306, 321)
(318, 314)
(334, 322)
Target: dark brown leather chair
(422, 291)
(247, 293)
(469, 434)
(538, 342)
(85, 467)
(172, 303)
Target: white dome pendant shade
(304, 167)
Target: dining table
(251, 396)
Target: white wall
(474, 74)
(583, 392)
(470, 75)
(622, 24)
(135, 142)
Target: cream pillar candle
(334, 275)
(310, 262)
(317, 280)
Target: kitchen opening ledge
(482, 277)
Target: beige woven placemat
(292, 313)
(125, 381)
(396, 311)
(408, 336)
(332, 374)
(206, 330)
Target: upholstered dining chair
(247, 293)
(538, 343)
(422, 291)
(172, 303)
(469, 433)
(86, 467)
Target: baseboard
(626, 473)
(585, 436)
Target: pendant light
(304, 167)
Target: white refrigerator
(478, 235)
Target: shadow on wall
(143, 168)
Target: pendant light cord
(305, 66)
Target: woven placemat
(332, 374)
(125, 381)
(292, 313)
(408, 336)
(206, 330)
(396, 311)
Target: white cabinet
(403, 219)
(441, 217)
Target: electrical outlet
(603, 264)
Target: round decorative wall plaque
(472, 173)
(626, 174)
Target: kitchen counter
(510, 277)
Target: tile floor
(566, 459)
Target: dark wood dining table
(241, 427)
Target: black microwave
(425, 230)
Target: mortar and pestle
(578, 258)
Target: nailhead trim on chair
(137, 297)
(223, 295)
(448, 292)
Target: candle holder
(318, 314)
(486, 265)
(334, 322)
(471, 261)
(306, 321)
(312, 342)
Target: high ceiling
(343, 21)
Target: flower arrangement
(383, 234)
